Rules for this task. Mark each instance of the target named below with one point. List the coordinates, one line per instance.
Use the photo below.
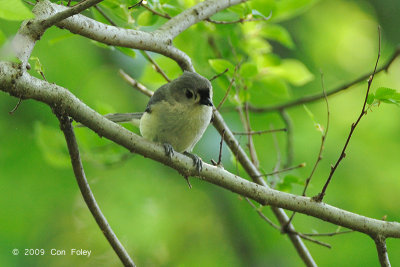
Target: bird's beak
(206, 101)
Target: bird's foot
(169, 150)
(197, 162)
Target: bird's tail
(124, 117)
(133, 118)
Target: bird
(176, 116)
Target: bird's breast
(177, 124)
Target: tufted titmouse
(176, 115)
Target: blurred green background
(157, 217)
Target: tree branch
(199, 12)
(380, 243)
(342, 155)
(66, 127)
(18, 83)
(70, 11)
(220, 125)
(316, 97)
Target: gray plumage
(124, 117)
(176, 115)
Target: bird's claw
(197, 162)
(169, 150)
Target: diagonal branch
(78, 8)
(342, 155)
(316, 97)
(199, 12)
(220, 125)
(66, 127)
(383, 256)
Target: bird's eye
(189, 94)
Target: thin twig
(278, 163)
(316, 97)
(155, 65)
(244, 117)
(218, 75)
(252, 148)
(29, 3)
(144, 53)
(321, 148)
(135, 83)
(105, 15)
(16, 107)
(220, 151)
(163, 15)
(69, 2)
(301, 165)
(321, 195)
(330, 234)
(226, 93)
(66, 127)
(76, 9)
(137, 4)
(241, 20)
(266, 219)
(213, 45)
(260, 132)
(220, 148)
(44, 77)
(323, 138)
(289, 137)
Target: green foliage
(276, 63)
(14, 10)
(278, 33)
(146, 18)
(52, 144)
(220, 65)
(312, 117)
(288, 182)
(294, 71)
(37, 66)
(384, 95)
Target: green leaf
(265, 7)
(288, 182)
(220, 65)
(248, 70)
(370, 98)
(127, 51)
(387, 95)
(52, 144)
(38, 67)
(171, 10)
(14, 10)
(279, 34)
(226, 16)
(258, 14)
(383, 93)
(268, 90)
(293, 71)
(242, 10)
(287, 9)
(312, 117)
(147, 18)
